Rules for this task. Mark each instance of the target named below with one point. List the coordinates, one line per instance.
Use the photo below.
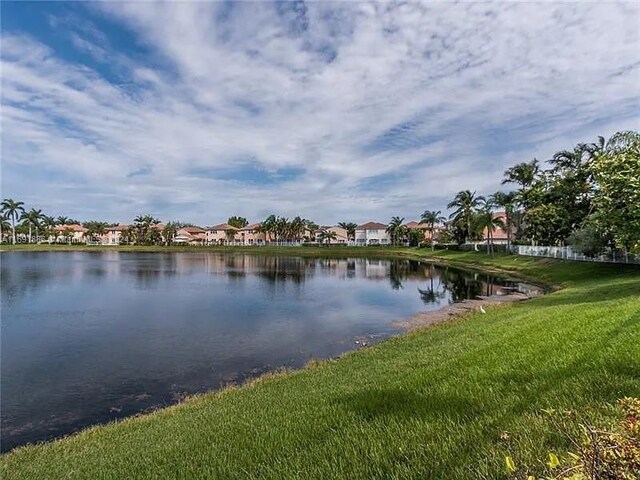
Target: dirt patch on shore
(459, 309)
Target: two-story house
(372, 233)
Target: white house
(372, 233)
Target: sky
(335, 111)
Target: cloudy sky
(334, 111)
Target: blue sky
(331, 110)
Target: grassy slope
(430, 404)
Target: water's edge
(413, 322)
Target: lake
(89, 337)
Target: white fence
(567, 253)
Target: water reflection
(93, 336)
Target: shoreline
(490, 374)
(419, 320)
(459, 310)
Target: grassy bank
(435, 403)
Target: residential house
(113, 235)
(251, 235)
(342, 238)
(372, 233)
(222, 234)
(499, 235)
(425, 227)
(190, 236)
(68, 234)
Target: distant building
(68, 234)
(191, 236)
(425, 227)
(113, 235)
(250, 235)
(499, 235)
(372, 233)
(342, 237)
(222, 234)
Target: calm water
(89, 337)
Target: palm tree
(169, 231)
(12, 210)
(523, 174)
(395, 229)
(296, 228)
(96, 229)
(4, 225)
(508, 202)
(230, 233)
(67, 233)
(350, 227)
(145, 231)
(268, 227)
(32, 219)
(48, 223)
(61, 220)
(312, 227)
(326, 236)
(486, 220)
(432, 218)
(465, 204)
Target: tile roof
(371, 226)
(193, 230)
(74, 228)
(222, 226)
(253, 226)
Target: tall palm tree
(523, 174)
(312, 227)
(432, 218)
(62, 220)
(326, 236)
(296, 228)
(48, 223)
(465, 204)
(508, 202)
(96, 229)
(395, 229)
(486, 220)
(268, 227)
(169, 231)
(350, 227)
(32, 219)
(12, 210)
(4, 225)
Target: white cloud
(458, 91)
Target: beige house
(222, 234)
(425, 227)
(250, 235)
(191, 236)
(342, 238)
(68, 234)
(113, 235)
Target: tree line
(588, 197)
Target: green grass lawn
(431, 404)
